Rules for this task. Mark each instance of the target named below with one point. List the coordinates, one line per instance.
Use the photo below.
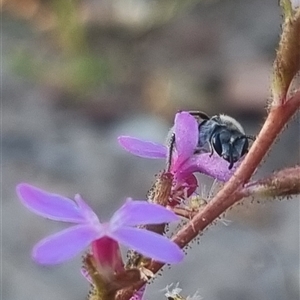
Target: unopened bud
(287, 62)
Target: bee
(223, 135)
(219, 134)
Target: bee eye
(242, 144)
(216, 143)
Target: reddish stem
(275, 122)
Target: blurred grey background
(76, 74)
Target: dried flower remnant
(161, 190)
(160, 193)
(103, 288)
(174, 293)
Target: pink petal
(135, 212)
(107, 254)
(186, 135)
(192, 183)
(149, 244)
(65, 244)
(48, 205)
(184, 188)
(214, 166)
(142, 148)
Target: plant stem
(230, 194)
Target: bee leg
(170, 153)
(231, 162)
(251, 137)
(200, 114)
(211, 148)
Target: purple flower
(88, 230)
(184, 160)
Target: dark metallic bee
(223, 135)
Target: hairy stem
(231, 192)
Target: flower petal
(149, 244)
(88, 213)
(214, 166)
(142, 148)
(65, 244)
(48, 205)
(107, 254)
(135, 212)
(186, 135)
